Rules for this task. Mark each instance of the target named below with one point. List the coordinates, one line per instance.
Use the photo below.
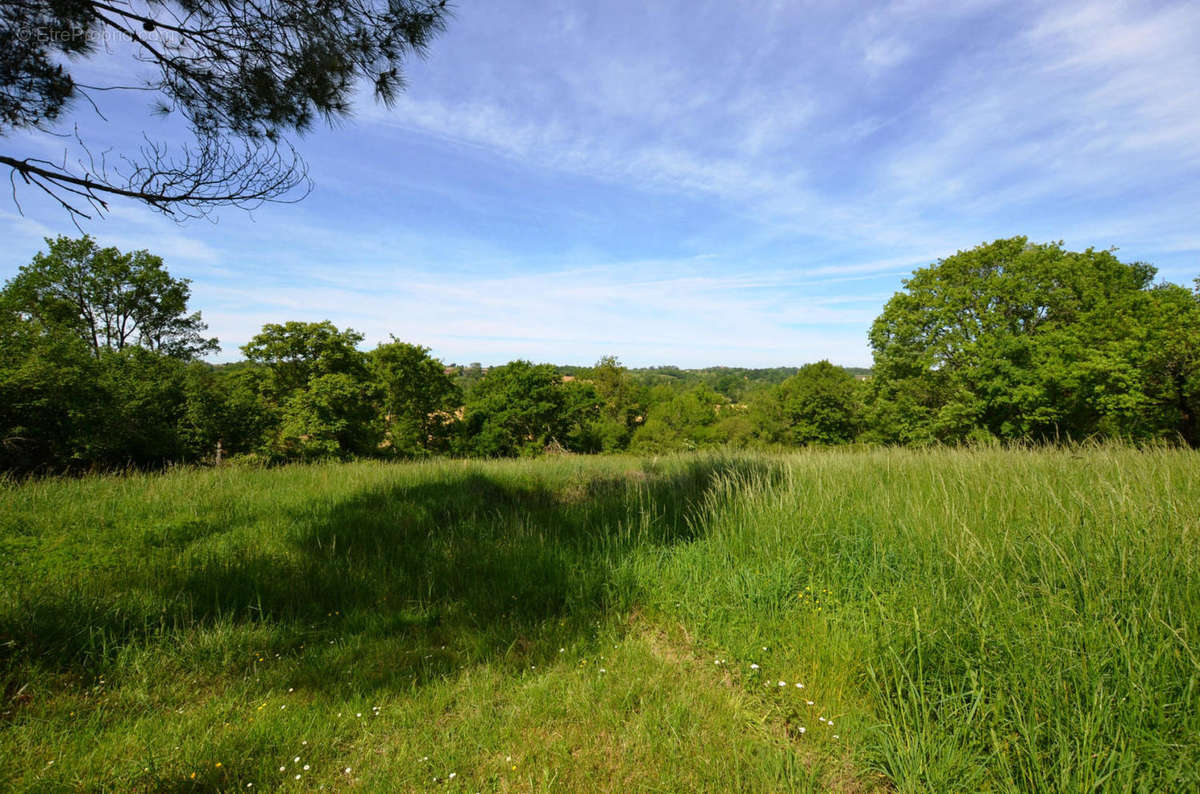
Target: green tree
(108, 299)
(418, 398)
(139, 422)
(241, 76)
(295, 352)
(818, 405)
(681, 420)
(620, 408)
(332, 416)
(319, 383)
(225, 411)
(49, 389)
(1030, 341)
(521, 409)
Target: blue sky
(691, 183)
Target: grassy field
(943, 620)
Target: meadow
(849, 620)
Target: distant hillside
(733, 382)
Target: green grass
(967, 620)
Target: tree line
(101, 367)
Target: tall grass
(987, 620)
(960, 620)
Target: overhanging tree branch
(241, 73)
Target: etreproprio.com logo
(150, 34)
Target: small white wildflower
(821, 719)
(799, 686)
(249, 785)
(808, 702)
(282, 768)
(836, 736)
(453, 775)
(603, 670)
(296, 760)
(290, 689)
(562, 650)
(753, 667)
(297, 777)
(306, 767)
(347, 770)
(803, 730)
(305, 741)
(281, 708)
(358, 714)
(783, 683)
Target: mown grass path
(845, 620)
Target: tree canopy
(820, 404)
(1009, 341)
(1017, 340)
(522, 408)
(418, 398)
(108, 299)
(241, 76)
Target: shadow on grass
(394, 585)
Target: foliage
(48, 391)
(1010, 341)
(108, 299)
(1029, 341)
(621, 404)
(296, 352)
(687, 420)
(240, 75)
(331, 416)
(521, 409)
(418, 398)
(320, 385)
(94, 348)
(225, 409)
(139, 422)
(817, 405)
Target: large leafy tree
(49, 389)
(820, 404)
(621, 409)
(332, 416)
(295, 352)
(686, 419)
(108, 299)
(240, 75)
(94, 346)
(1020, 340)
(225, 410)
(418, 397)
(522, 409)
(318, 382)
